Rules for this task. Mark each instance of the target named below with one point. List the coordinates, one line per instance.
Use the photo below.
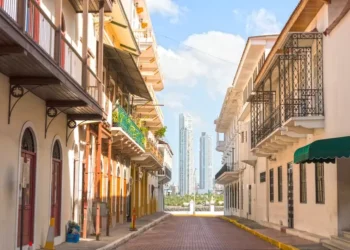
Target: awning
(122, 65)
(323, 151)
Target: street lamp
(195, 187)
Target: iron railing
(292, 87)
(226, 168)
(123, 120)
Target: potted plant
(73, 232)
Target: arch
(28, 141)
(57, 150)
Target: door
(118, 196)
(290, 195)
(56, 187)
(25, 229)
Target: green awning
(323, 151)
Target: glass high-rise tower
(206, 163)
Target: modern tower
(187, 178)
(205, 163)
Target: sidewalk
(118, 235)
(275, 237)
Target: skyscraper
(205, 163)
(187, 177)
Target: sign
(25, 172)
(262, 177)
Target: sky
(200, 43)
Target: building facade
(74, 142)
(205, 163)
(291, 125)
(187, 178)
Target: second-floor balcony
(227, 174)
(128, 138)
(38, 57)
(288, 103)
(164, 175)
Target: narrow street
(196, 233)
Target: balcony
(37, 58)
(164, 175)
(227, 174)
(288, 103)
(128, 138)
(93, 5)
(220, 146)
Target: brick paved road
(178, 233)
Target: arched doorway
(25, 233)
(56, 186)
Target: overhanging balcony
(127, 136)
(288, 104)
(164, 175)
(37, 58)
(227, 174)
(94, 5)
(152, 159)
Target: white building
(290, 113)
(205, 163)
(187, 178)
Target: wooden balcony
(36, 58)
(152, 159)
(288, 104)
(164, 175)
(93, 5)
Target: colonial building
(72, 144)
(298, 130)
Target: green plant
(144, 130)
(160, 133)
(115, 117)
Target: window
(232, 196)
(250, 199)
(242, 137)
(302, 183)
(235, 198)
(319, 171)
(279, 184)
(271, 185)
(246, 136)
(242, 199)
(262, 177)
(238, 196)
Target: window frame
(303, 183)
(271, 189)
(279, 182)
(319, 183)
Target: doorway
(290, 195)
(25, 231)
(56, 187)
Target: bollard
(133, 221)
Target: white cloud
(166, 8)
(262, 22)
(209, 58)
(173, 100)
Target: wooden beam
(28, 80)
(11, 49)
(65, 103)
(84, 117)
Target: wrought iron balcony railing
(151, 148)
(123, 120)
(292, 87)
(226, 168)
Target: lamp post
(195, 187)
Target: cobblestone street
(196, 233)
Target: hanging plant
(160, 133)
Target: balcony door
(56, 187)
(290, 195)
(25, 232)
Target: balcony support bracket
(70, 127)
(16, 93)
(51, 114)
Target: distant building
(206, 163)
(186, 161)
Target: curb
(272, 241)
(128, 237)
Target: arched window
(56, 154)
(28, 143)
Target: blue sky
(200, 43)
